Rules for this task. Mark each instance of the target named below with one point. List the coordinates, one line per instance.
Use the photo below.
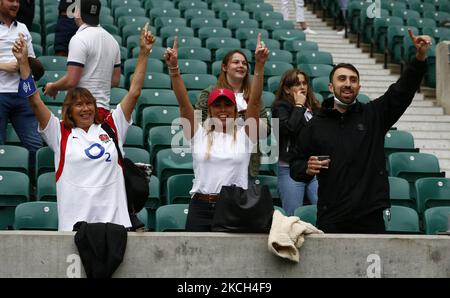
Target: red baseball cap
(221, 92)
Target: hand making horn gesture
(422, 44)
(147, 40)
(261, 52)
(171, 55)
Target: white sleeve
(29, 44)
(52, 133)
(77, 51)
(121, 124)
(117, 61)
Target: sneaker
(341, 32)
(309, 31)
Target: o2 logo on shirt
(95, 151)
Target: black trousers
(372, 223)
(200, 216)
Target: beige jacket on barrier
(287, 235)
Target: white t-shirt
(94, 49)
(240, 102)
(227, 164)
(91, 187)
(9, 82)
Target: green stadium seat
(178, 187)
(117, 94)
(137, 154)
(198, 81)
(197, 53)
(149, 4)
(257, 7)
(164, 137)
(437, 16)
(423, 7)
(192, 66)
(315, 70)
(363, 98)
(267, 15)
(14, 189)
(205, 33)
(193, 96)
(153, 65)
(186, 4)
(236, 23)
(398, 141)
(300, 45)
(214, 43)
(36, 38)
(14, 158)
(192, 13)
(272, 83)
(399, 192)
(320, 85)
(56, 110)
(273, 24)
(435, 220)
(143, 216)
(251, 33)
(128, 11)
(157, 52)
(163, 12)
(198, 23)
(156, 80)
(222, 52)
(112, 29)
(439, 34)
(46, 187)
(402, 220)
(157, 116)
(170, 31)
(405, 14)
(153, 201)
(432, 192)
(155, 97)
(50, 76)
(134, 137)
(106, 19)
(185, 41)
(168, 21)
(380, 26)
(288, 34)
(54, 63)
(45, 161)
(114, 4)
(219, 6)
(395, 37)
(171, 162)
(133, 26)
(38, 51)
(171, 217)
(50, 39)
(313, 57)
(307, 213)
(420, 24)
(238, 14)
(412, 166)
(268, 98)
(271, 44)
(36, 216)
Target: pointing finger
(175, 43)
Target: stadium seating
(399, 192)
(435, 220)
(171, 217)
(178, 187)
(401, 220)
(36, 216)
(307, 213)
(432, 192)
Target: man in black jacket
(353, 183)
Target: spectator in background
(294, 106)
(26, 13)
(353, 181)
(299, 14)
(89, 180)
(12, 106)
(343, 4)
(65, 28)
(94, 58)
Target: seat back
(432, 192)
(307, 213)
(14, 158)
(46, 187)
(36, 216)
(402, 220)
(178, 187)
(171, 217)
(436, 220)
(399, 192)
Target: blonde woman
(220, 148)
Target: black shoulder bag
(243, 211)
(136, 180)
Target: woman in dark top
(294, 106)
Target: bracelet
(174, 74)
(27, 87)
(300, 105)
(176, 67)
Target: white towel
(287, 235)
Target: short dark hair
(343, 65)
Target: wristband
(27, 87)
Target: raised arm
(129, 101)
(20, 51)
(254, 102)
(186, 109)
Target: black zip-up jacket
(356, 182)
(291, 122)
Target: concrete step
(323, 40)
(338, 50)
(423, 103)
(356, 60)
(417, 97)
(344, 56)
(432, 144)
(427, 118)
(425, 135)
(368, 70)
(424, 111)
(439, 153)
(411, 125)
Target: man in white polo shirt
(94, 58)
(12, 106)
